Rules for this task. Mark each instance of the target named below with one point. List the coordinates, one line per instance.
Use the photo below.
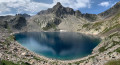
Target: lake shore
(54, 60)
(25, 55)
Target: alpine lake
(58, 45)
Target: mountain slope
(111, 12)
(60, 18)
(17, 22)
(109, 23)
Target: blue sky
(11, 7)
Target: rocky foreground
(108, 49)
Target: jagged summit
(58, 5)
(58, 10)
(24, 15)
(61, 11)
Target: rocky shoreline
(23, 51)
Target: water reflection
(59, 45)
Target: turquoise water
(58, 45)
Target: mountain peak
(58, 3)
(58, 10)
(57, 6)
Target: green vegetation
(8, 40)
(113, 62)
(55, 63)
(11, 38)
(78, 62)
(86, 25)
(69, 63)
(91, 57)
(118, 50)
(5, 62)
(97, 24)
(25, 63)
(112, 42)
(116, 17)
(9, 30)
(102, 49)
(49, 26)
(114, 34)
(36, 58)
(113, 23)
(108, 29)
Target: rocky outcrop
(78, 13)
(60, 11)
(4, 21)
(19, 22)
(24, 15)
(13, 22)
(90, 17)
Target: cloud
(104, 4)
(76, 4)
(3, 8)
(30, 6)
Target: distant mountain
(60, 11)
(13, 22)
(24, 15)
(112, 11)
(60, 17)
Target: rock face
(57, 16)
(4, 21)
(90, 17)
(24, 15)
(58, 10)
(19, 22)
(78, 13)
(13, 22)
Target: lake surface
(58, 45)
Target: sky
(32, 7)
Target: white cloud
(3, 8)
(104, 4)
(34, 7)
(75, 3)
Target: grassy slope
(5, 62)
(113, 62)
(105, 27)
